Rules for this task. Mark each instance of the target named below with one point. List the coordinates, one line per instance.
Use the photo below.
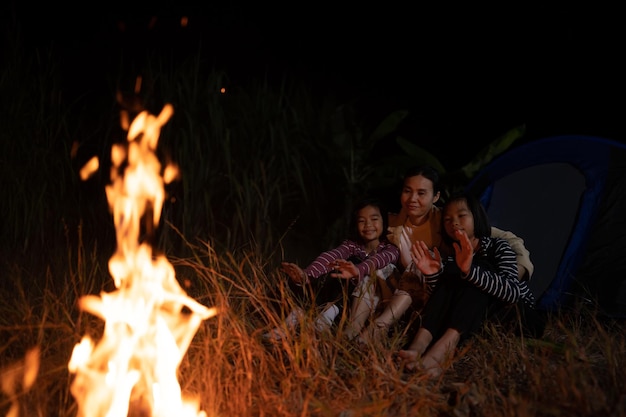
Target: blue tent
(566, 197)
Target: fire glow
(149, 319)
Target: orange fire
(149, 319)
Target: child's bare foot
(431, 367)
(410, 359)
(373, 334)
(433, 372)
(352, 332)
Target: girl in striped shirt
(472, 275)
(340, 270)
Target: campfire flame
(18, 378)
(149, 319)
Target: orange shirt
(429, 232)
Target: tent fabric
(566, 197)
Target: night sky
(467, 75)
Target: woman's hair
(425, 171)
(353, 232)
(482, 226)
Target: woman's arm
(525, 267)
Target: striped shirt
(501, 279)
(385, 254)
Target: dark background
(466, 74)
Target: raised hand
(464, 251)
(426, 261)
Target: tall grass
(574, 370)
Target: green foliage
(451, 179)
(419, 155)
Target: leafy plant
(390, 169)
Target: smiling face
(369, 223)
(458, 216)
(418, 197)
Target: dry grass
(575, 370)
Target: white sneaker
(325, 320)
(275, 334)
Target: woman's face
(418, 196)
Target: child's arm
(323, 264)
(383, 257)
(502, 282)
(388, 254)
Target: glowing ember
(149, 320)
